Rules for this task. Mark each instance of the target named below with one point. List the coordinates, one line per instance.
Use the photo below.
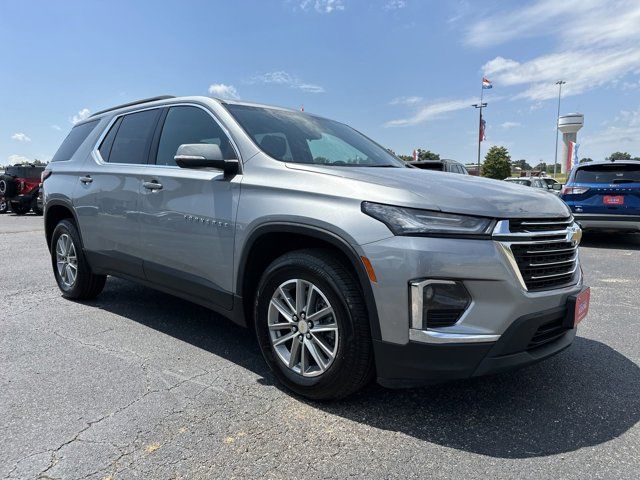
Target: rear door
(108, 201)
(611, 188)
(188, 215)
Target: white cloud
(405, 100)
(508, 125)
(432, 111)
(56, 127)
(534, 19)
(598, 45)
(81, 115)
(622, 134)
(281, 77)
(20, 137)
(224, 91)
(583, 71)
(395, 4)
(11, 159)
(322, 6)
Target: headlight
(411, 221)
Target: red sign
(582, 306)
(613, 200)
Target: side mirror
(205, 155)
(557, 186)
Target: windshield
(519, 181)
(549, 182)
(301, 138)
(613, 173)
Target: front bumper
(592, 221)
(414, 364)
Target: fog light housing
(437, 303)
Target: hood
(454, 193)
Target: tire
(20, 209)
(4, 206)
(85, 285)
(36, 208)
(7, 186)
(348, 335)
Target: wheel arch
(269, 241)
(54, 212)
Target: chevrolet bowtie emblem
(574, 235)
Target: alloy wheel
(66, 260)
(303, 328)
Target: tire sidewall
(272, 279)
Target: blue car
(605, 195)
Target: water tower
(569, 126)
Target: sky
(404, 72)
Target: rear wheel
(312, 325)
(4, 206)
(70, 267)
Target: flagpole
(480, 125)
(480, 106)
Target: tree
(497, 163)
(427, 155)
(586, 160)
(542, 167)
(522, 164)
(619, 156)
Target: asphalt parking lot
(139, 384)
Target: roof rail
(137, 102)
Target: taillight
(44, 175)
(573, 190)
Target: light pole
(480, 105)
(555, 162)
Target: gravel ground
(139, 384)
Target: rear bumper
(592, 221)
(415, 364)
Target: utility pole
(555, 162)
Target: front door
(187, 215)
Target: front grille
(538, 224)
(541, 253)
(546, 265)
(547, 333)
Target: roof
(609, 162)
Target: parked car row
(602, 195)
(20, 189)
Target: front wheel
(70, 266)
(4, 206)
(312, 325)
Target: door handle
(152, 185)
(86, 179)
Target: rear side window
(613, 173)
(133, 138)
(78, 134)
(190, 125)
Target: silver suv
(347, 263)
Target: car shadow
(585, 396)
(617, 241)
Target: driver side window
(190, 125)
